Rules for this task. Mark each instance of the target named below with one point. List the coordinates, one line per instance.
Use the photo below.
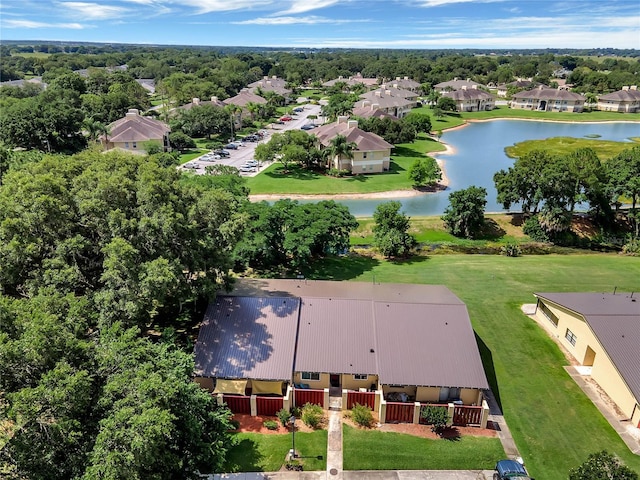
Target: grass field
(554, 425)
(301, 181)
(605, 149)
(267, 453)
(374, 450)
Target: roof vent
(371, 350)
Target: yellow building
(601, 331)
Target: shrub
(437, 417)
(533, 229)
(361, 414)
(511, 250)
(270, 424)
(312, 415)
(632, 247)
(284, 416)
(235, 424)
(334, 172)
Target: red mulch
(256, 425)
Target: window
(135, 145)
(310, 376)
(360, 376)
(571, 338)
(364, 154)
(126, 144)
(553, 318)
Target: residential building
(394, 90)
(271, 84)
(519, 84)
(371, 155)
(350, 81)
(405, 83)
(131, 132)
(626, 100)
(398, 106)
(455, 84)
(196, 102)
(366, 110)
(601, 331)
(406, 345)
(549, 100)
(243, 97)
(471, 99)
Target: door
(334, 380)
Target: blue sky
(486, 24)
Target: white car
(250, 163)
(190, 166)
(247, 168)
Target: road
(243, 154)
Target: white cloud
(208, 6)
(32, 24)
(440, 3)
(308, 20)
(93, 11)
(301, 6)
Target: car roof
(507, 468)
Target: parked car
(222, 153)
(190, 166)
(231, 146)
(510, 469)
(246, 168)
(298, 109)
(279, 122)
(308, 126)
(250, 163)
(250, 138)
(286, 118)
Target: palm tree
(433, 97)
(339, 148)
(95, 129)
(233, 111)
(592, 99)
(254, 108)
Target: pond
(479, 153)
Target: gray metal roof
(248, 337)
(615, 321)
(427, 345)
(336, 336)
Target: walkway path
(334, 438)
(504, 434)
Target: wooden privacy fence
(399, 412)
(463, 416)
(268, 405)
(304, 396)
(238, 403)
(439, 405)
(363, 398)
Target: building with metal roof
(602, 332)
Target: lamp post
(292, 452)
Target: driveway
(243, 154)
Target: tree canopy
(390, 231)
(464, 217)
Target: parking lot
(244, 154)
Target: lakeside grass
(605, 149)
(374, 450)
(554, 424)
(254, 452)
(273, 180)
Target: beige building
(372, 153)
(271, 84)
(519, 84)
(131, 132)
(385, 100)
(547, 99)
(350, 81)
(405, 83)
(196, 102)
(602, 332)
(471, 99)
(456, 84)
(626, 100)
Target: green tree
(624, 175)
(602, 466)
(420, 121)
(339, 148)
(425, 171)
(464, 217)
(447, 104)
(390, 231)
(181, 141)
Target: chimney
(464, 87)
(395, 85)
(406, 78)
(397, 78)
(625, 88)
(266, 77)
(366, 103)
(474, 87)
(455, 79)
(387, 92)
(214, 99)
(340, 77)
(244, 89)
(195, 101)
(133, 112)
(342, 119)
(274, 77)
(268, 83)
(352, 124)
(468, 79)
(633, 87)
(541, 87)
(378, 93)
(383, 86)
(375, 107)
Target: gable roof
(358, 78)
(412, 329)
(365, 141)
(248, 337)
(624, 95)
(468, 94)
(244, 97)
(134, 127)
(405, 82)
(272, 81)
(276, 85)
(367, 111)
(457, 84)
(544, 93)
(615, 321)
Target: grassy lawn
(506, 112)
(605, 149)
(302, 181)
(432, 230)
(554, 424)
(267, 453)
(373, 450)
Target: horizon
(329, 24)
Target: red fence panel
(464, 416)
(363, 398)
(268, 405)
(439, 405)
(238, 403)
(303, 396)
(399, 412)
